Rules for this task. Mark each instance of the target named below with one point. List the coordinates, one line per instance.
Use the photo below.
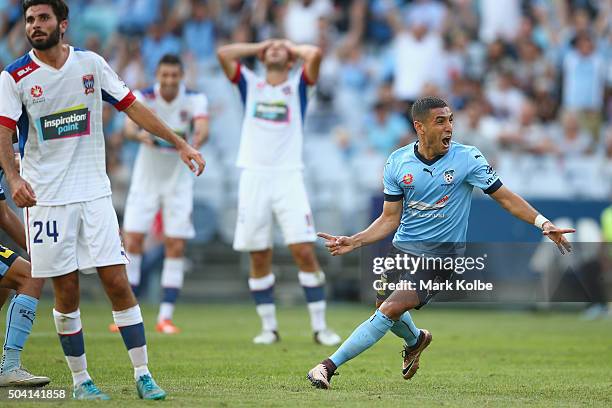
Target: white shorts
(172, 192)
(78, 236)
(264, 194)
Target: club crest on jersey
(184, 116)
(88, 83)
(449, 175)
(287, 90)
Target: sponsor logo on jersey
(36, 91)
(422, 206)
(273, 112)
(449, 175)
(71, 122)
(88, 83)
(24, 71)
(408, 179)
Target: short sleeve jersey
(177, 114)
(272, 130)
(58, 117)
(437, 196)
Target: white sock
(314, 281)
(69, 324)
(139, 358)
(133, 268)
(173, 273)
(317, 315)
(166, 311)
(137, 352)
(78, 377)
(267, 313)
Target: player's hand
(189, 155)
(263, 46)
(288, 44)
(555, 234)
(22, 193)
(338, 245)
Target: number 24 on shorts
(51, 230)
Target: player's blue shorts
(436, 273)
(7, 257)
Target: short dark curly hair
(422, 106)
(60, 8)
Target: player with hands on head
(271, 181)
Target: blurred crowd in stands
(529, 80)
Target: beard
(44, 44)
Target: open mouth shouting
(446, 141)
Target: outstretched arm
(146, 119)
(384, 225)
(229, 55)
(517, 206)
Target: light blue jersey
(437, 196)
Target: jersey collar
(423, 159)
(181, 92)
(49, 67)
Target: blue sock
(19, 320)
(169, 295)
(364, 337)
(406, 329)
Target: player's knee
(305, 256)
(117, 284)
(66, 295)
(393, 310)
(134, 243)
(67, 286)
(260, 263)
(32, 287)
(175, 248)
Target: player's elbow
(222, 53)
(316, 53)
(392, 220)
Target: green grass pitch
(476, 359)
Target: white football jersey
(58, 117)
(177, 114)
(159, 167)
(272, 130)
